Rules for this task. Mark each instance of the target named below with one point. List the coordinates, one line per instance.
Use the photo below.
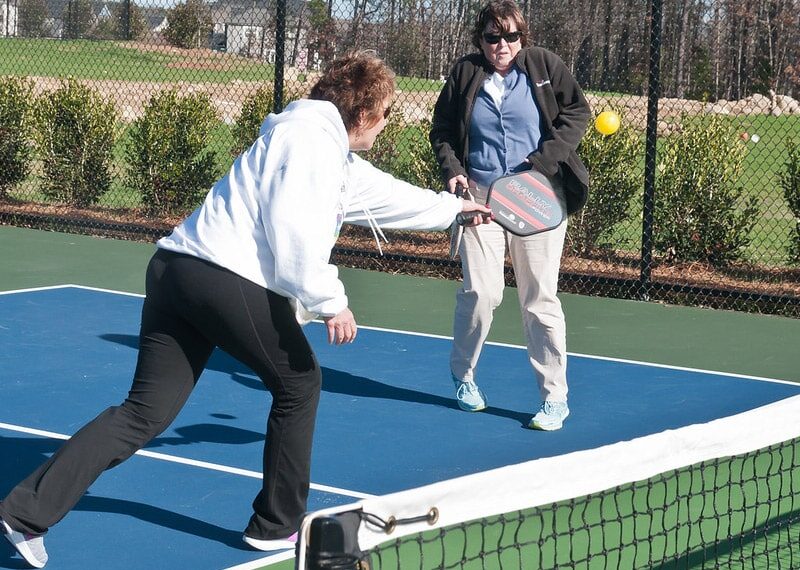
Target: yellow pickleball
(607, 123)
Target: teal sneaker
(470, 398)
(550, 416)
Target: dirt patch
(131, 97)
(610, 273)
(198, 64)
(166, 49)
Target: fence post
(280, 45)
(126, 14)
(653, 92)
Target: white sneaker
(30, 546)
(550, 416)
(272, 544)
(470, 398)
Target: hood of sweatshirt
(323, 114)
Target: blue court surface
(387, 422)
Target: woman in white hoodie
(243, 272)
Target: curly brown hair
(359, 83)
(498, 12)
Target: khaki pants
(536, 260)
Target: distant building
(244, 29)
(8, 18)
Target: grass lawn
(121, 61)
(93, 60)
(86, 59)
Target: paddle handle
(465, 218)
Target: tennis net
(725, 494)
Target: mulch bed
(607, 273)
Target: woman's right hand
(474, 214)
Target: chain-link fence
(115, 117)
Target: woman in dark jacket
(511, 107)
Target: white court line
(34, 289)
(274, 559)
(492, 343)
(606, 358)
(69, 286)
(190, 462)
(101, 290)
(252, 565)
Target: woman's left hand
(342, 327)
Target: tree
(188, 24)
(322, 31)
(130, 21)
(126, 22)
(32, 18)
(78, 19)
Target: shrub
(16, 131)
(403, 150)
(75, 132)
(700, 212)
(169, 163)
(790, 182)
(614, 179)
(255, 108)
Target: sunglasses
(510, 37)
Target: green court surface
(724, 341)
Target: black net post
(653, 92)
(333, 543)
(326, 541)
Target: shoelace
(549, 408)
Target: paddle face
(525, 203)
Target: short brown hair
(358, 83)
(497, 12)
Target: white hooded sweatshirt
(274, 218)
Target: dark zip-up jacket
(563, 108)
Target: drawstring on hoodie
(373, 225)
